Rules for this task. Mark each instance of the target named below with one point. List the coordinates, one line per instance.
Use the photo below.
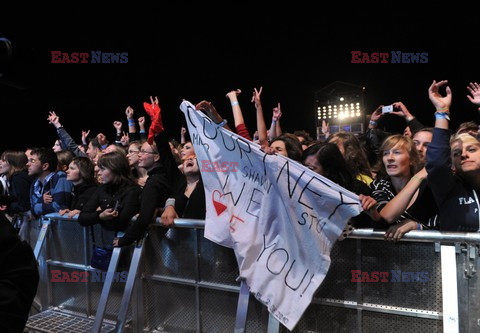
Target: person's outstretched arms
(132, 130)
(85, 136)
(183, 132)
(474, 89)
(440, 177)
(67, 141)
(237, 114)
(141, 125)
(399, 204)
(118, 130)
(277, 114)
(401, 110)
(261, 127)
(209, 109)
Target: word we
(394, 57)
(396, 276)
(209, 166)
(94, 57)
(81, 276)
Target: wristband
(416, 177)
(234, 103)
(373, 122)
(131, 122)
(442, 115)
(274, 120)
(170, 202)
(142, 131)
(419, 226)
(408, 119)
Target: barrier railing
(180, 282)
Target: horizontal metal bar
(427, 314)
(421, 236)
(70, 265)
(428, 236)
(193, 283)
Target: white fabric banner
(280, 218)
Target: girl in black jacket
(116, 201)
(80, 173)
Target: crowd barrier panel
(178, 281)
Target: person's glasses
(147, 152)
(133, 151)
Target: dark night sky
(291, 52)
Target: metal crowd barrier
(179, 281)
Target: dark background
(193, 52)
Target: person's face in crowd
(102, 139)
(421, 141)
(110, 149)
(92, 151)
(106, 175)
(466, 156)
(187, 151)
(35, 166)
(57, 147)
(397, 161)
(407, 132)
(73, 173)
(312, 163)
(279, 147)
(132, 154)
(147, 157)
(190, 166)
(4, 167)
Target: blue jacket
(60, 189)
(457, 201)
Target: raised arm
(261, 127)
(237, 114)
(474, 89)
(277, 114)
(67, 141)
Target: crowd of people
(423, 178)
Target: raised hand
(256, 96)
(118, 126)
(377, 114)
(53, 119)
(84, 136)
(396, 232)
(277, 112)
(474, 89)
(233, 93)
(129, 112)
(325, 129)
(401, 110)
(141, 122)
(125, 140)
(441, 103)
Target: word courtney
(396, 276)
(394, 57)
(81, 276)
(94, 57)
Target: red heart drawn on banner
(220, 207)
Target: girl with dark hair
(117, 197)
(287, 145)
(326, 160)
(80, 173)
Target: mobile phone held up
(387, 109)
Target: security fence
(178, 281)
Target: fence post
(449, 289)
